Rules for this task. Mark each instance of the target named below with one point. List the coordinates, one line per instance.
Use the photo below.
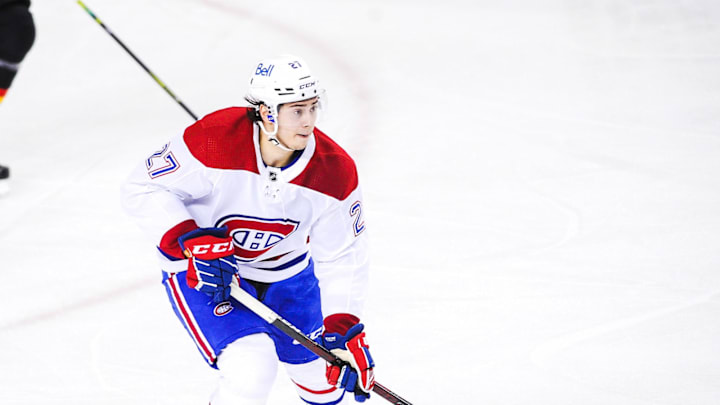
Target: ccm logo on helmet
(307, 85)
(213, 247)
(264, 70)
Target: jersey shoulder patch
(330, 171)
(223, 140)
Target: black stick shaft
(328, 356)
(290, 330)
(157, 80)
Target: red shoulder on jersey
(331, 170)
(223, 140)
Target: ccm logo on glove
(211, 264)
(222, 247)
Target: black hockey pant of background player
(17, 34)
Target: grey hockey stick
(289, 329)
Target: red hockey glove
(212, 264)
(344, 337)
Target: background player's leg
(247, 371)
(17, 34)
(4, 175)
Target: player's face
(297, 121)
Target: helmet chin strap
(272, 137)
(273, 140)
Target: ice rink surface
(542, 183)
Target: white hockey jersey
(213, 176)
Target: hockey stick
(157, 80)
(287, 328)
(238, 293)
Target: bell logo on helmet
(264, 70)
(292, 82)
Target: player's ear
(265, 114)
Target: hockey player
(261, 196)
(17, 34)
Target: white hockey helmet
(280, 80)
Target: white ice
(542, 183)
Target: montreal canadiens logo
(223, 308)
(254, 236)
